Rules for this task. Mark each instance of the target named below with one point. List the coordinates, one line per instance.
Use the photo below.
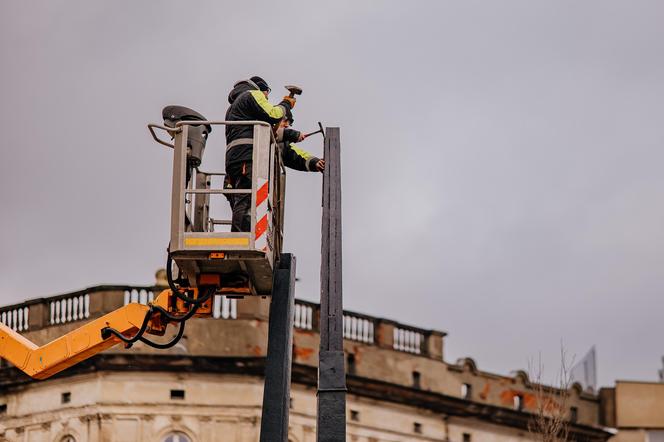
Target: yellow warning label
(216, 241)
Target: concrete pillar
(253, 307)
(105, 302)
(315, 319)
(384, 332)
(434, 345)
(38, 316)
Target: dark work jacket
(293, 156)
(248, 103)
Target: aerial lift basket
(195, 245)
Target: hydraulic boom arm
(127, 324)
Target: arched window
(176, 437)
(68, 438)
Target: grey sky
(501, 160)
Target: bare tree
(550, 422)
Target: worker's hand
(301, 137)
(290, 100)
(320, 165)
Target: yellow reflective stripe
(303, 153)
(272, 111)
(216, 241)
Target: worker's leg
(240, 176)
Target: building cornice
(11, 379)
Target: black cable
(174, 288)
(169, 273)
(176, 319)
(179, 319)
(106, 332)
(168, 344)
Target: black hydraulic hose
(169, 273)
(168, 344)
(179, 319)
(106, 332)
(173, 318)
(174, 288)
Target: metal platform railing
(194, 238)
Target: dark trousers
(238, 176)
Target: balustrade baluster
(233, 309)
(74, 315)
(87, 305)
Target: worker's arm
(264, 110)
(289, 136)
(300, 159)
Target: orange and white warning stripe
(262, 218)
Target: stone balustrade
(96, 301)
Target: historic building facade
(209, 386)
(635, 409)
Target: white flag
(585, 372)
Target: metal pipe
(151, 127)
(211, 173)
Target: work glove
(316, 165)
(290, 100)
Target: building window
(176, 437)
(573, 414)
(466, 437)
(3, 408)
(354, 415)
(518, 402)
(417, 378)
(68, 438)
(350, 359)
(417, 427)
(177, 394)
(466, 391)
(66, 397)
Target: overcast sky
(502, 161)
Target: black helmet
(262, 84)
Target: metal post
(177, 191)
(276, 394)
(331, 426)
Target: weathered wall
(500, 390)
(401, 366)
(639, 405)
(113, 407)
(482, 432)
(376, 359)
(630, 436)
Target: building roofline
(11, 379)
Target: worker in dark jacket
(293, 156)
(248, 101)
